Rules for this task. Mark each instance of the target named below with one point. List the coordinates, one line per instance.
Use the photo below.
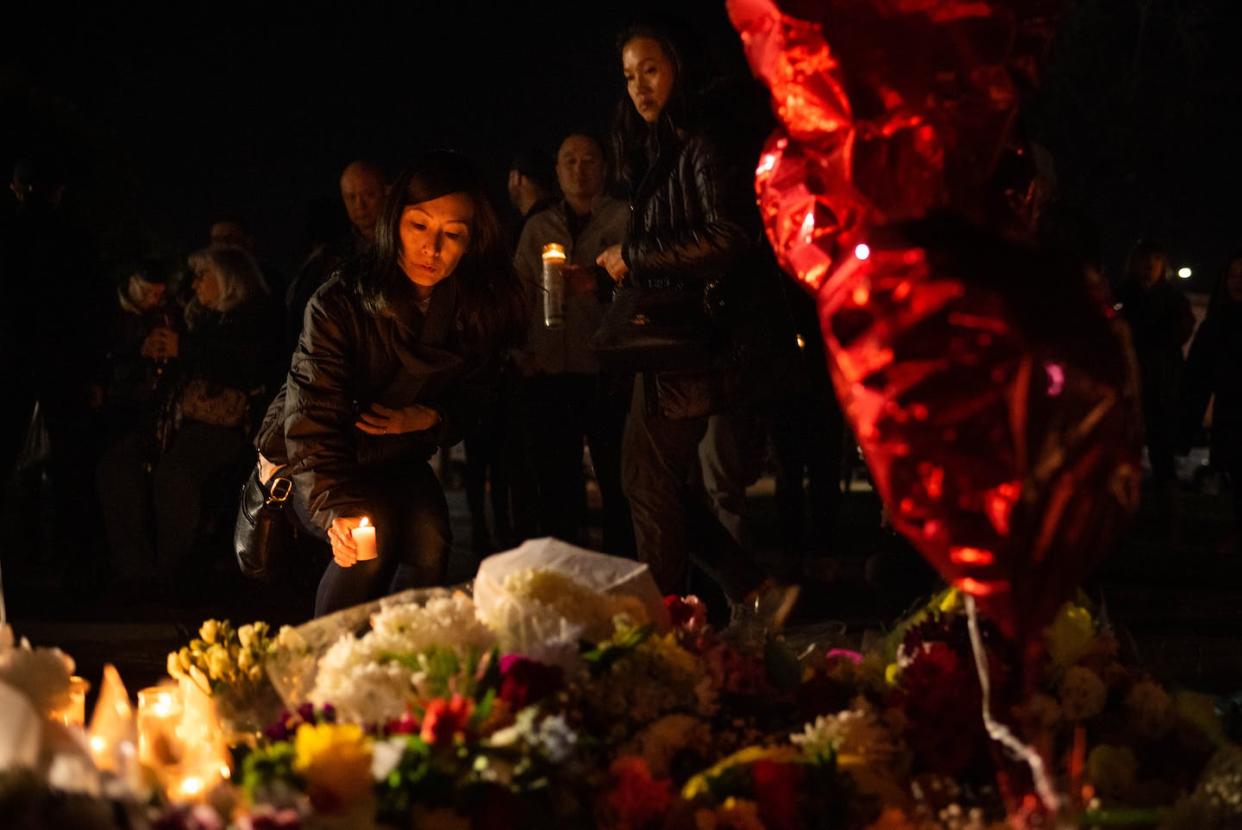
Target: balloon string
(998, 731)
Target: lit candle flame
(365, 522)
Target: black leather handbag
(656, 329)
(263, 534)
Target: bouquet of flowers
(227, 663)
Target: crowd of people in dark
(422, 325)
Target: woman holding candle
(396, 359)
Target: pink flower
(844, 654)
(446, 720)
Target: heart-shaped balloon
(990, 390)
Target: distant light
(862, 250)
(1184, 273)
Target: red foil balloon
(990, 392)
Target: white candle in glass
(364, 538)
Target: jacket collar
(665, 145)
(433, 327)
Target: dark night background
(171, 114)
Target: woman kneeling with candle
(394, 361)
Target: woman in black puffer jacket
(396, 358)
(693, 228)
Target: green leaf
(484, 709)
(600, 657)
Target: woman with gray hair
(225, 368)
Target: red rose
(687, 612)
(524, 681)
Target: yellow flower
(698, 785)
(200, 680)
(1071, 635)
(209, 630)
(219, 665)
(335, 761)
(246, 635)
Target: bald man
(362, 191)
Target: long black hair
(634, 140)
(491, 302)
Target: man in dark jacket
(568, 397)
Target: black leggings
(413, 537)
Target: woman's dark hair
(632, 136)
(491, 302)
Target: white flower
(552, 737)
(385, 755)
(555, 739)
(856, 732)
(41, 674)
(355, 676)
(362, 689)
(447, 622)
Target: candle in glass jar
(553, 280)
(159, 714)
(364, 538)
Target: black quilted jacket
(690, 220)
(348, 359)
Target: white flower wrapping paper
(528, 626)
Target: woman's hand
(344, 549)
(382, 420)
(267, 469)
(612, 262)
